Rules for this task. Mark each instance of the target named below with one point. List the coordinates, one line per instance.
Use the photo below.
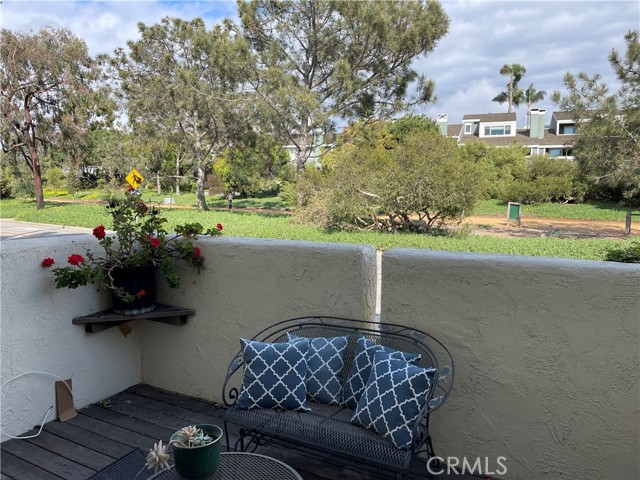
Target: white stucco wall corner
(38, 336)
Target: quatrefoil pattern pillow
(395, 394)
(361, 368)
(325, 361)
(275, 375)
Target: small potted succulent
(140, 247)
(196, 452)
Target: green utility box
(514, 212)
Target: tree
(320, 60)
(48, 97)
(513, 95)
(531, 96)
(254, 168)
(185, 81)
(419, 183)
(607, 146)
(111, 153)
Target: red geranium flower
(219, 226)
(196, 252)
(47, 262)
(142, 293)
(75, 259)
(99, 232)
(154, 242)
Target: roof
(562, 115)
(522, 137)
(491, 117)
(454, 130)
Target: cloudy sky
(548, 37)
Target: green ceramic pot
(198, 463)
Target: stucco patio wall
(37, 335)
(249, 284)
(547, 355)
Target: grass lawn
(184, 199)
(248, 224)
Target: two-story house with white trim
(500, 130)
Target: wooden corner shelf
(97, 322)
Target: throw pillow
(325, 361)
(361, 368)
(395, 394)
(275, 375)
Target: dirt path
(497, 225)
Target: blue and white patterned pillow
(325, 362)
(275, 375)
(361, 368)
(395, 394)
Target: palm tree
(513, 95)
(531, 96)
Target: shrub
(546, 179)
(420, 184)
(630, 254)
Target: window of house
(567, 129)
(491, 130)
(467, 128)
(555, 152)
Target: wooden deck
(137, 418)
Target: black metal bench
(327, 429)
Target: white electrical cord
(44, 419)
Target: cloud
(105, 26)
(548, 37)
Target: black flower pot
(134, 280)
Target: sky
(549, 38)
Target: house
(320, 144)
(500, 130)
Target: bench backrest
(433, 353)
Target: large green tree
(388, 177)
(257, 166)
(321, 60)
(186, 81)
(48, 96)
(607, 146)
(513, 95)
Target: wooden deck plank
(130, 423)
(174, 416)
(195, 404)
(132, 439)
(15, 467)
(72, 451)
(137, 418)
(89, 439)
(46, 460)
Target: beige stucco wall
(37, 335)
(249, 284)
(547, 356)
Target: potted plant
(196, 452)
(140, 247)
